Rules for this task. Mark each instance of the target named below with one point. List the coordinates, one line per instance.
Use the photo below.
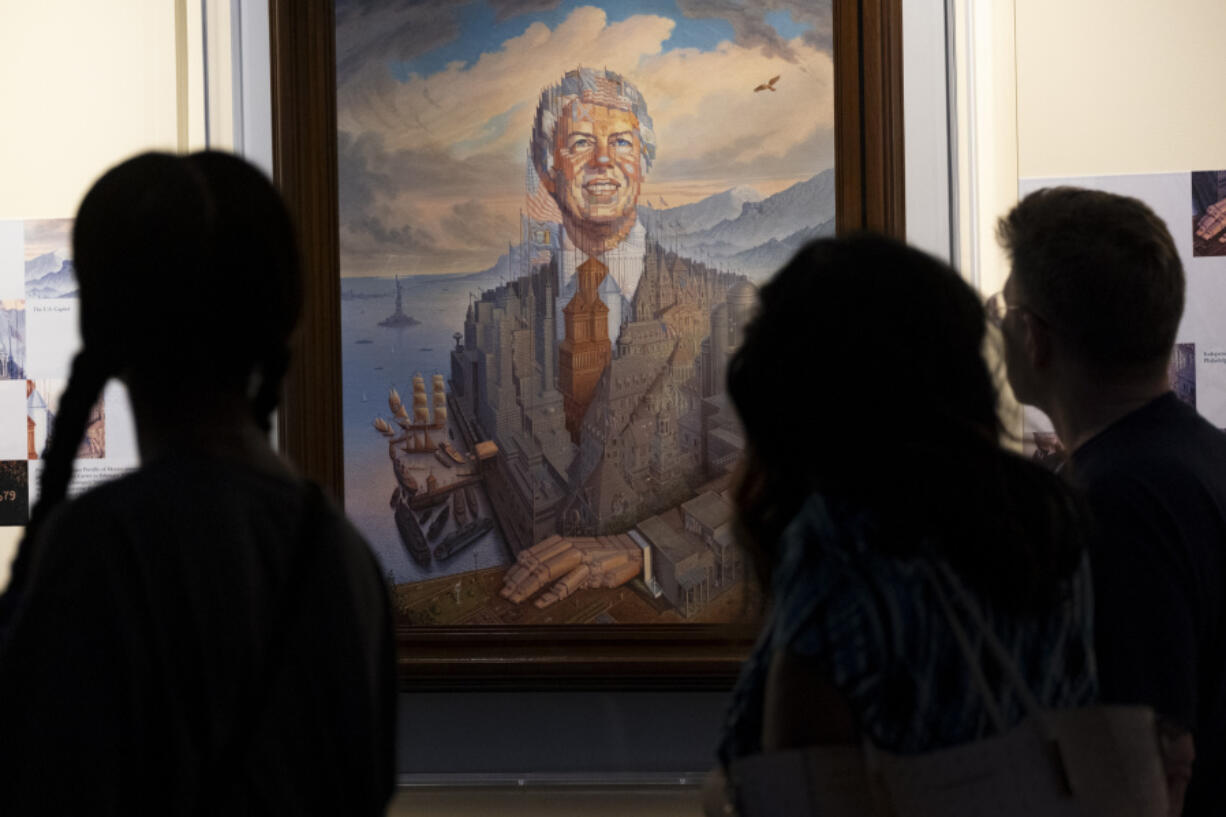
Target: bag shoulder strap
(971, 655)
(1003, 659)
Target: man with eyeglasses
(1089, 315)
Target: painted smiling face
(597, 173)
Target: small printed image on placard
(1182, 372)
(12, 339)
(1208, 213)
(43, 405)
(49, 272)
(13, 420)
(14, 492)
(51, 298)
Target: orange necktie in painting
(586, 348)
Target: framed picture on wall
(533, 234)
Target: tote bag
(1091, 761)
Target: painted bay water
(375, 358)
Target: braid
(268, 395)
(84, 386)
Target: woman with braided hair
(206, 635)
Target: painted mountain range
(764, 234)
(736, 230)
(699, 215)
(50, 276)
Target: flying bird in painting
(769, 85)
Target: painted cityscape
(554, 219)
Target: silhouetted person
(1089, 316)
(207, 635)
(873, 460)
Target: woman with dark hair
(873, 457)
(206, 635)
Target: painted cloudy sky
(435, 100)
(48, 235)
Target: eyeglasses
(997, 309)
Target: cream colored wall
(1120, 86)
(82, 86)
(985, 134)
(1058, 88)
(926, 126)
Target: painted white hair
(594, 87)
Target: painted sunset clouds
(434, 123)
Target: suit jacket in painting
(636, 442)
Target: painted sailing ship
(404, 472)
(462, 538)
(448, 449)
(419, 426)
(410, 534)
(436, 527)
(440, 493)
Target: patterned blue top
(875, 622)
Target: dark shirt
(1156, 483)
(199, 638)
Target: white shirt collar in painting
(625, 267)
(624, 262)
